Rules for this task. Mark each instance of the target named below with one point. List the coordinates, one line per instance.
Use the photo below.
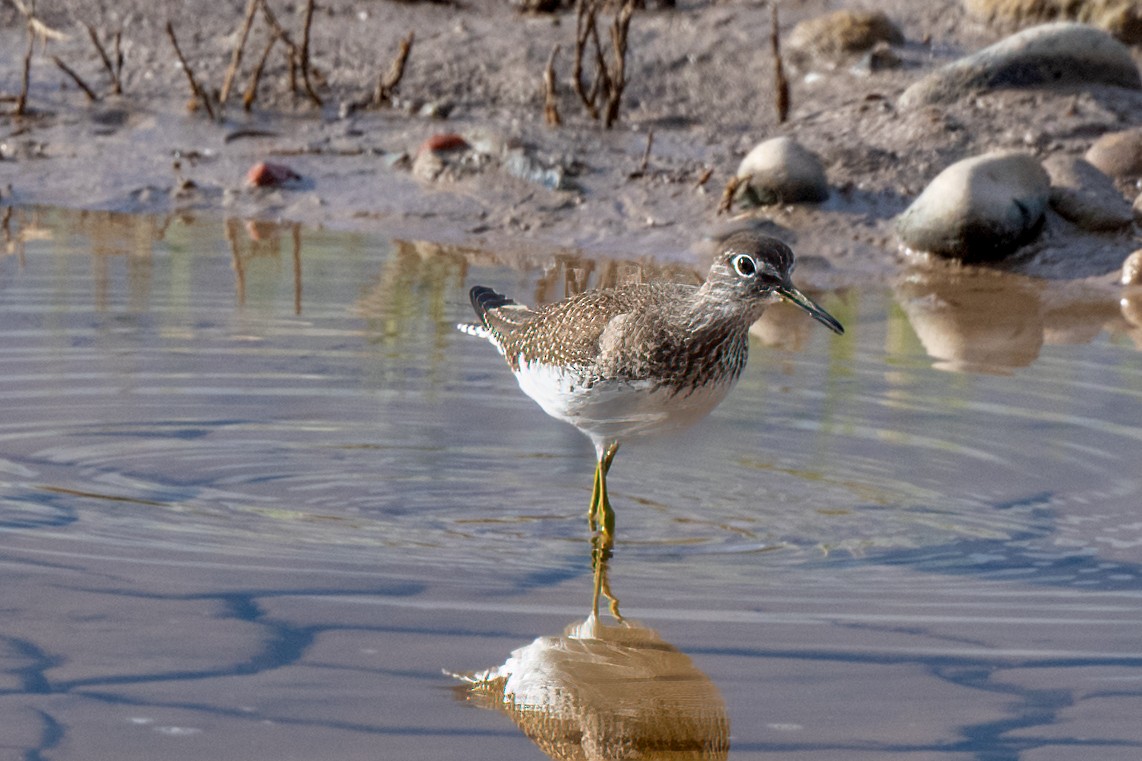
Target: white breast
(617, 410)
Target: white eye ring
(744, 265)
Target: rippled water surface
(260, 499)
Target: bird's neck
(708, 310)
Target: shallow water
(257, 496)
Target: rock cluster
(985, 207)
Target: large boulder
(1043, 56)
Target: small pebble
(266, 174)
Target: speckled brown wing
(568, 333)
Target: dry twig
(112, 70)
(646, 154)
(251, 92)
(387, 83)
(619, 32)
(195, 88)
(610, 77)
(22, 100)
(76, 78)
(550, 95)
(119, 59)
(293, 53)
(236, 56)
(780, 83)
(703, 178)
(304, 53)
(729, 192)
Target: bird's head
(756, 269)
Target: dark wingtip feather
(485, 299)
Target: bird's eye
(744, 265)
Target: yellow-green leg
(600, 515)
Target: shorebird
(631, 361)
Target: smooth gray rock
(978, 209)
(1086, 196)
(1118, 154)
(781, 170)
(1062, 53)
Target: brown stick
(76, 78)
(780, 83)
(236, 56)
(194, 86)
(119, 61)
(313, 96)
(387, 84)
(728, 193)
(291, 48)
(22, 101)
(619, 31)
(251, 93)
(584, 25)
(646, 154)
(550, 95)
(116, 88)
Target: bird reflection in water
(606, 691)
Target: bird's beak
(791, 294)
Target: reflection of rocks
(978, 320)
(1084, 195)
(978, 209)
(783, 326)
(1050, 55)
(781, 170)
(974, 320)
(607, 692)
(1132, 269)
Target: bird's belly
(617, 410)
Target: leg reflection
(601, 547)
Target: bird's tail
(483, 300)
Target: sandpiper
(625, 362)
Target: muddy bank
(699, 80)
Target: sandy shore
(699, 91)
